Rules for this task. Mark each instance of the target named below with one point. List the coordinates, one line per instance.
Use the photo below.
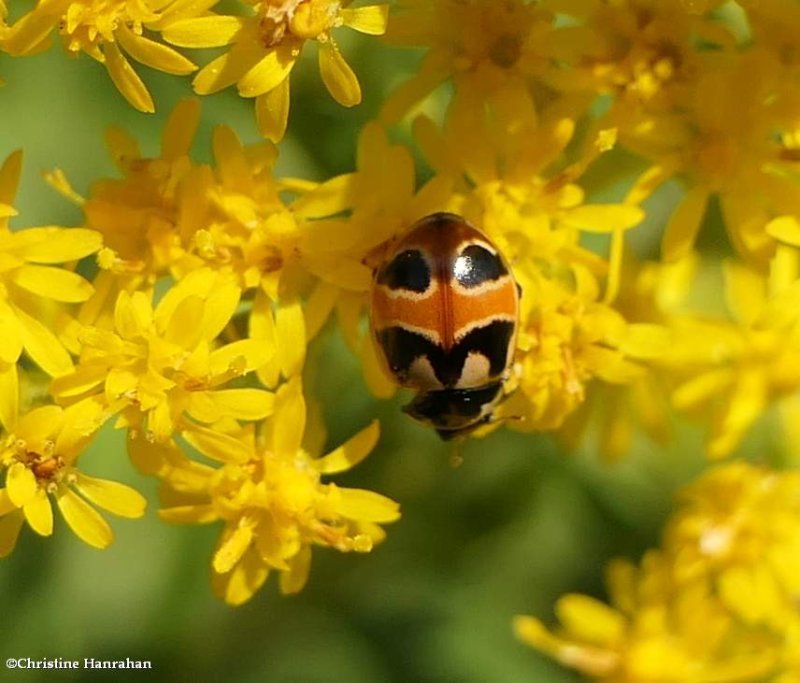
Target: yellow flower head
(30, 286)
(103, 29)
(733, 369)
(266, 44)
(149, 216)
(641, 51)
(38, 458)
(491, 49)
(269, 494)
(739, 528)
(159, 366)
(718, 601)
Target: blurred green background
(518, 524)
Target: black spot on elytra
(408, 270)
(402, 347)
(476, 265)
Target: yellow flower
(266, 44)
(149, 216)
(103, 29)
(640, 51)
(492, 50)
(718, 601)
(159, 366)
(38, 457)
(284, 242)
(731, 370)
(267, 490)
(30, 286)
(742, 152)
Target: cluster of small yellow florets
(265, 37)
(213, 278)
(717, 601)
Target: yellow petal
(55, 245)
(244, 404)
(272, 111)
(240, 584)
(220, 305)
(10, 338)
(53, 283)
(682, 229)
(270, 71)
(603, 218)
(262, 331)
(244, 355)
(226, 69)
(122, 146)
(40, 423)
(643, 340)
(232, 549)
(30, 31)
(20, 484)
(39, 513)
(9, 395)
(376, 376)
(6, 505)
(291, 333)
(590, 620)
(127, 80)
(182, 328)
(84, 378)
(10, 525)
(289, 421)
(319, 307)
(218, 446)
(79, 424)
(153, 54)
(367, 506)
(213, 31)
(180, 129)
(84, 520)
(785, 229)
(9, 177)
(371, 19)
(189, 514)
(647, 183)
(43, 346)
(112, 496)
(350, 453)
(331, 197)
(294, 579)
(745, 292)
(132, 315)
(337, 75)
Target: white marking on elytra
(475, 372)
(422, 375)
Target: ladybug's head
(455, 412)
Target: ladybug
(444, 314)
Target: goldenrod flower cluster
(266, 39)
(717, 601)
(182, 308)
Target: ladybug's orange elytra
(444, 313)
